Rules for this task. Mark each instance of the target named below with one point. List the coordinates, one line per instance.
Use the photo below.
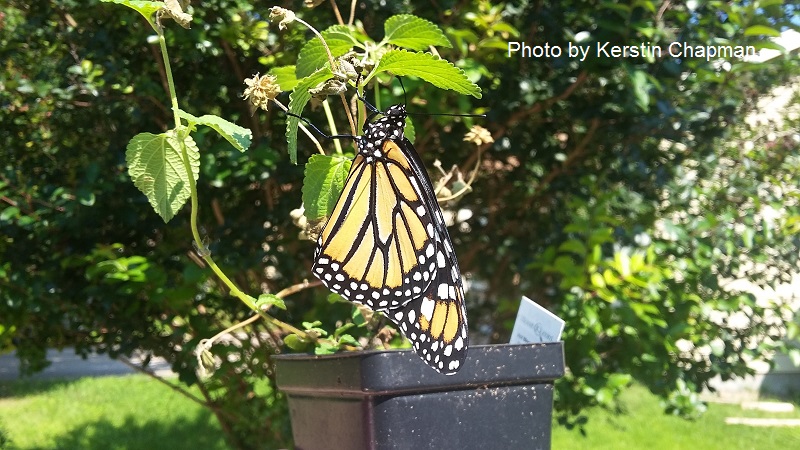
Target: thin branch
(174, 387)
(352, 12)
(297, 288)
(337, 13)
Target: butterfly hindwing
(386, 245)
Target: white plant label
(535, 324)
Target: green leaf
(265, 301)
(338, 332)
(761, 30)
(323, 184)
(358, 316)
(146, 9)
(347, 339)
(641, 89)
(430, 68)
(408, 130)
(297, 101)
(325, 348)
(334, 298)
(296, 343)
(574, 246)
(156, 166)
(9, 213)
(313, 55)
(287, 77)
(409, 31)
(618, 380)
(239, 137)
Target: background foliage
(621, 193)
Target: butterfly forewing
(374, 249)
(386, 246)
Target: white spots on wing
(434, 278)
(426, 308)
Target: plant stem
(332, 62)
(332, 125)
(234, 290)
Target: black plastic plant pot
(502, 398)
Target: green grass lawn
(645, 426)
(135, 412)
(126, 412)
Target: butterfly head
(388, 127)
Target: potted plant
(501, 398)
(443, 391)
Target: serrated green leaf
(297, 102)
(761, 30)
(411, 32)
(239, 137)
(156, 166)
(323, 184)
(287, 77)
(265, 301)
(430, 68)
(146, 9)
(313, 55)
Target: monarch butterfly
(386, 245)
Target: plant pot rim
(380, 372)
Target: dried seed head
(286, 16)
(260, 90)
(332, 86)
(478, 135)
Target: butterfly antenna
(446, 114)
(320, 132)
(405, 102)
(405, 96)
